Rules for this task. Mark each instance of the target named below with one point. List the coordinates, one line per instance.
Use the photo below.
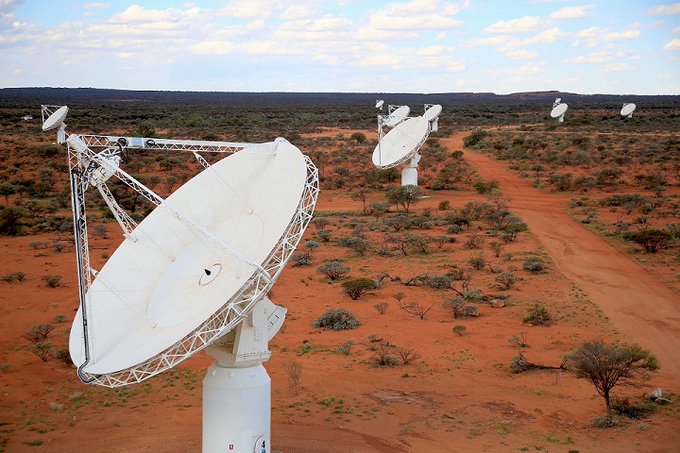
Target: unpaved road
(639, 305)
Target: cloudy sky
(606, 46)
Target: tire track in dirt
(639, 305)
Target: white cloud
(571, 12)
(521, 25)
(299, 12)
(417, 15)
(521, 54)
(621, 35)
(214, 47)
(529, 68)
(491, 41)
(593, 58)
(434, 50)
(8, 5)
(614, 67)
(96, 5)
(666, 9)
(546, 36)
(595, 36)
(672, 45)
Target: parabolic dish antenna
(433, 112)
(397, 116)
(379, 104)
(193, 275)
(628, 110)
(158, 290)
(56, 119)
(401, 143)
(559, 110)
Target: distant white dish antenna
(558, 110)
(627, 110)
(193, 275)
(401, 143)
(432, 112)
(397, 114)
(400, 146)
(55, 119)
(379, 104)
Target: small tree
(407, 355)
(606, 365)
(320, 223)
(651, 240)
(381, 307)
(416, 309)
(294, 370)
(38, 333)
(334, 269)
(357, 287)
(404, 196)
(359, 137)
(360, 195)
(506, 280)
(7, 189)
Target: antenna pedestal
(409, 174)
(236, 409)
(237, 389)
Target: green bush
(334, 269)
(651, 240)
(506, 280)
(357, 287)
(337, 319)
(537, 315)
(14, 277)
(460, 330)
(52, 281)
(534, 265)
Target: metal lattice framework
(234, 310)
(84, 162)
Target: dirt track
(639, 305)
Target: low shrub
(538, 315)
(381, 307)
(334, 270)
(534, 265)
(337, 319)
(301, 259)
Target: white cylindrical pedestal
(409, 176)
(236, 410)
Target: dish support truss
(84, 162)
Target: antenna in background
(627, 110)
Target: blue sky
(618, 47)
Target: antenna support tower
(118, 304)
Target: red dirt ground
(459, 396)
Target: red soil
(639, 304)
(459, 396)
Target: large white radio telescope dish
(401, 143)
(157, 291)
(379, 104)
(193, 275)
